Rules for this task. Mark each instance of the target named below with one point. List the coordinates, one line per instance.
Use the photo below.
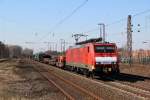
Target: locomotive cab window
(110, 49)
(104, 49)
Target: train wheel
(79, 71)
(87, 73)
(72, 69)
(116, 71)
(92, 75)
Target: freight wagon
(42, 57)
(61, 61)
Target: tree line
(14, 51)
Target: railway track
(134, 91)
(82, 93)
(51, 81)
(138, 86)
(143, 86)
(3, 60)
(128, 88)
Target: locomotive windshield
(104, 49)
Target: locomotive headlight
(93, 67)
(98, 63)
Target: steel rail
(57, 86)
(78, 87)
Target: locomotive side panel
(80, 57)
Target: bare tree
(4, 51)
(15, 51)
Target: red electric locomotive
(92, 57)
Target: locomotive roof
(94, 43)
(93, 40)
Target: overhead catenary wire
(141, 13)
(70, 15)
(65, 18)
(95, 29)
(120, 20)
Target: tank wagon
(93, 58)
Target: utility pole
(102, 31)
(64, 47)
(129, 39)
(61, 45)
(49, 45)
(62, 41)
(56, 47)
(77, 36)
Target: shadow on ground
(125, 77)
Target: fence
(140, 60)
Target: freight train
(91, 58)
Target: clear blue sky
(29, 20)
